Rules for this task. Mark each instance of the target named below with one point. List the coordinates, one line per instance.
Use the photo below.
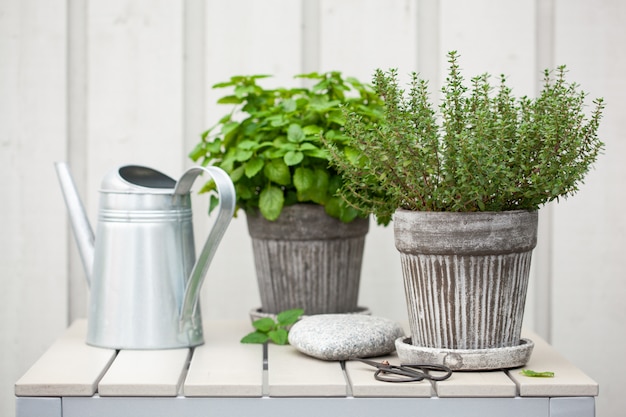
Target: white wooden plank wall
(105, 83)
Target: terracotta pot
(307, 259)
(466, 276)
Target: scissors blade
(391, 373)
(377, 365)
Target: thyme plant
(482, 150)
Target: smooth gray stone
(343, 336)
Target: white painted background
(101, 83)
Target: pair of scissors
(407, 373)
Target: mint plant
(270, 142)
(268, 329)
(482, 149)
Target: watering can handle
(226, 209)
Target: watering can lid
(135, 178)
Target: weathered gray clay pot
(466, 276)
(307, 259)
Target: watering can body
(141, 266)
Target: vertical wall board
(243, 37)
(194, 75)
(429, 42)
(246, 37)
(357, 37)
(590, 228)
(135, 87)
(77, 142)
(33, 302)
(491, 36)
(495, 37)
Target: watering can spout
(83, 232)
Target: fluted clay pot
(307, 259)
(466, 278)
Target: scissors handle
(431, 367)
(397, 374)
(406, 373)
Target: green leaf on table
(268, 329)
(534, 374)
(279, 336)
(255, 337)
(264, 324)
(288, 317)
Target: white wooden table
(226, 378)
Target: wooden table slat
(69, 367)
(223, 367)
(293, 374)
(145, 373)
(569, 381)
(363, 384)
(477, 384)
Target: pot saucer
(257, 313)
(466, 359)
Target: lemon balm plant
(270, 140)
(462, 183)
(307, 241)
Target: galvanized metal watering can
(141, 266)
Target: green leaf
(267, 329)
(288, 105)
(242, 90)
(303, 179)
(287, 317)
(277, 120)
(244, 192)
(295, 133)
(534, 374)
(353, 156)
(279, 336)
(253, 166)
(338, 118)
(319, 192)
(197, 152)
(230, 100)
(207, 187)
(271, 202)
(312, 130)
(242, 155)
(333, 207)
(308, 146)
(348, 213)
(264, 324)
(255, 337)
(213, 203)
(237, 173)
(278, 171)
(293, 158)
(229, 127)
(317, 153)
(248, 145)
